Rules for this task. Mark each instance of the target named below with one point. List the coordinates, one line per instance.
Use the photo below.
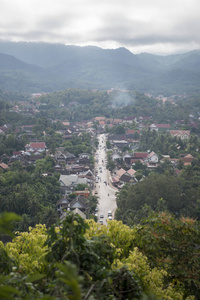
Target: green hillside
(42, 67)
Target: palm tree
(33, 206)
(49, 216)
(24, 223)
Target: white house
(152, 157)
(116, 155)
(84, 155)
(182, 134)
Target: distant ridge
(38, 67)
(9, 62)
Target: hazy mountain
(34, 67)
(9, 62)
(41, 54)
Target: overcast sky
(154, 26)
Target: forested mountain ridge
(10, 62)
(44, 67)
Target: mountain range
(43, 67)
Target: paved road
(105, 192)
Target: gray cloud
(156, 25)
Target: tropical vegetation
(84, 260)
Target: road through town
(103, 188)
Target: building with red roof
(140, 155)
(36, 146)
(159, 127)
(132, 131)
(3, 166)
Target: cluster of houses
(33, 151)
(74, 171)
(125, 160)
(79, 170)
(78, 205)
(121, 176)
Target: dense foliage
(180, 194)
(30, 193)
(11, 143)
(77, 105)
(80, 260)
(161, 143)
(79, 144)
